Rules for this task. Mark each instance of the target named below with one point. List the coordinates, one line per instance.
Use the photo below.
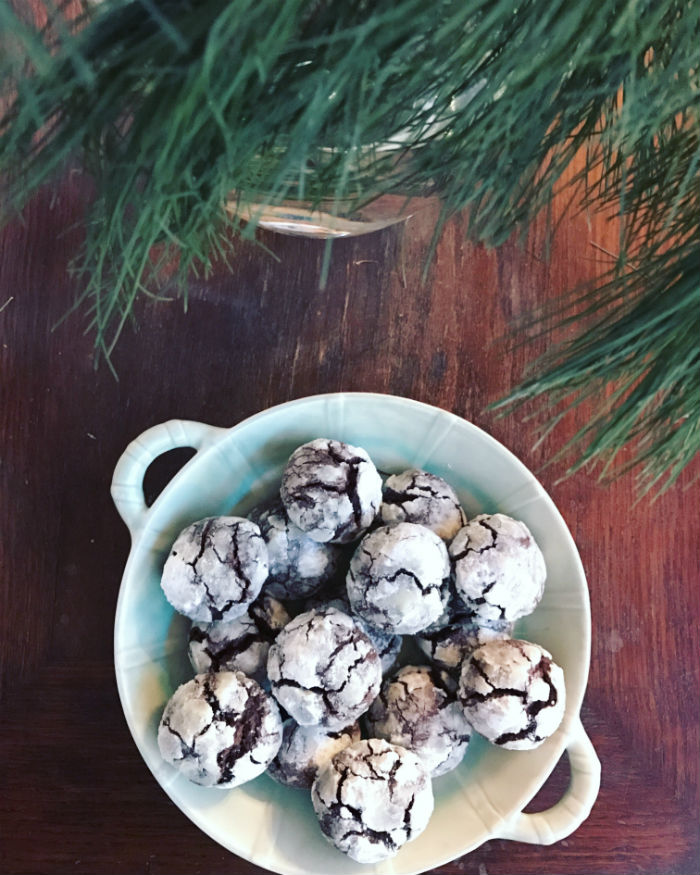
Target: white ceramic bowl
(274, 826)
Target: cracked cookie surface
(371, 799)
(220, 730)
(499, 570)
(241, 644)
(397, 576)
(415, 711)
(386, 644)
(416, 496)
(331, 490)
(215, 569)
(306, 749)
(299, 565)
(513, 693)
(323, 669)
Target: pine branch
(636, 352)
(178, 107)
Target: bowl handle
(127, 480)
(559, 821)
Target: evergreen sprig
(635, 355)
(638, 364)
(173, 105)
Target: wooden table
(76, 796)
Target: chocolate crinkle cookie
(499, 569)
(306, 749)
(241, 644)
(299, 566)
(371, 799)
(416, 496)
(449, 646)
(331, 490)
(323, 669)
(215, 569)
(396, 580)
(415, 711)
(220, 730)
(512, 693)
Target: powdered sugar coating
(499, 569)
(331, 490)
(513, 693)
(449, 646)
(299, 565)
(323, 669)
(220, 730)
(241, 644)
(371, 799)
(416, 496)
(306, 749)
(387, 645)
(215, 569)
(415, 711)
(397, 577)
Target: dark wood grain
(76, 796)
